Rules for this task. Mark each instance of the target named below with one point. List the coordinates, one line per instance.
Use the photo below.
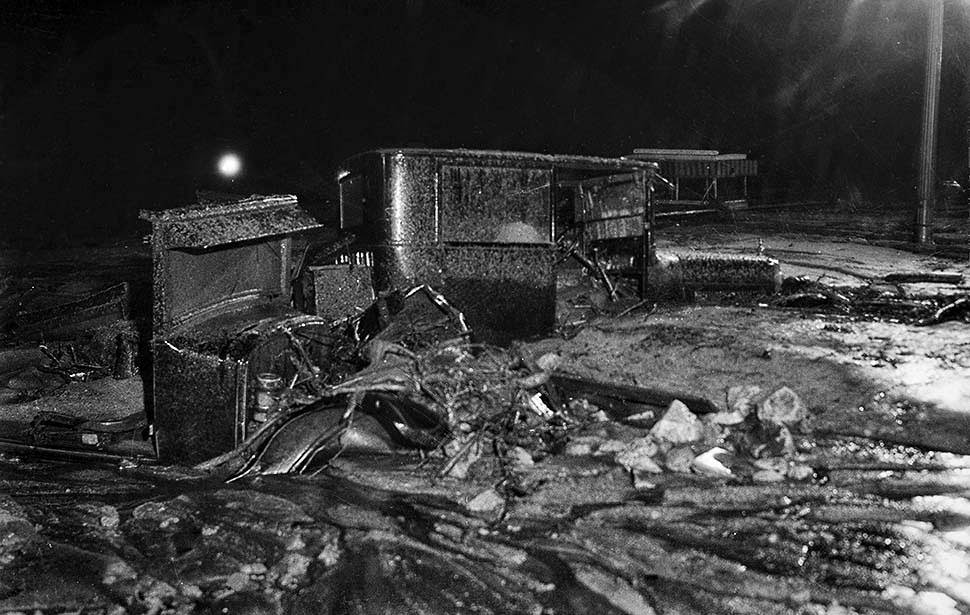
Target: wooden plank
(676, 152)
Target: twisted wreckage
(439, 246)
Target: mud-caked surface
(846, 494)
(872, 529)
(862, 506)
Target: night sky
(107, 110)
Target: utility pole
(931, 97)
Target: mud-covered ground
(866, 510)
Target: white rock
(520, 457)
(934, 603)
(642, 418)
(726, 418)
(710, 464)
(578, 449)
(678, 425)
(548, 362)
(330, 554)
(800, 471)
(783, 406)
(767, 476)
(486, 501)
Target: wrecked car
(225, 339)
(480, 227)
(465, 241)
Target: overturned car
(439, 245)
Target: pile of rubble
(480, 413)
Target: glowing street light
(229, 165)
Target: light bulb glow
(229, 165)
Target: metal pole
(931, 96)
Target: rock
(611, 447)
(615, 590)
(834, 608)
(189, 590)
(743, 399)
(725, 418)
(520, 457)
(291, 569)
(800, 471)
(678, 425)
(713, 434)
(679, 459)
(599, 417)
(117, 570)
(487, 501)
(533, 381)
(237, 581)
(581, 446)
(767, 476)
(642, 419)
(578, 449)
(109, 517)
(549, 362)
(256, 568)
(329, 556)
(16, 530)
(637, 456)
(783, 406)
(712, 463)
(775, 464)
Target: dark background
(107, 110)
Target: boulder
(783, 406)
(678, 425)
